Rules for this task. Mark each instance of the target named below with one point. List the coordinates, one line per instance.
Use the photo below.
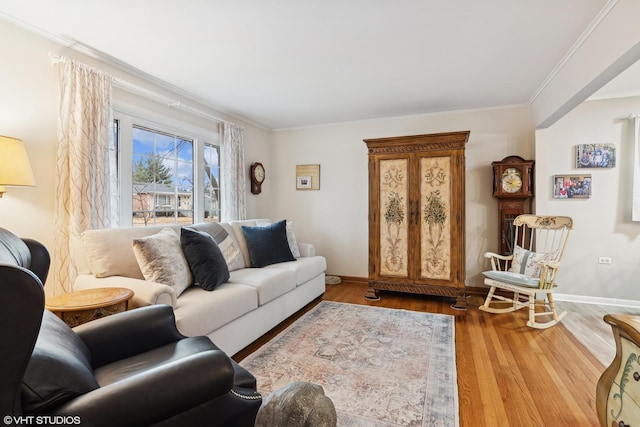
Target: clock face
(258, 173)
(511, 180)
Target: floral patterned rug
(379, 366)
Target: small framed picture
(595, 156)
(572, 186)
(304, 182)
(308, 177)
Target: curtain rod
(147, 93)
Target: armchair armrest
(40, 259)
(156, 395)
(129, 333)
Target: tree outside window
(162, 181)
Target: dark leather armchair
(129, 369)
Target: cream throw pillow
(528, 263)
(161, 260)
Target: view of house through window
(162, 180)
(162, 176)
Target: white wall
(603, 225)
(28, 111)
(335, 218)
(29, 93)
(603, 51)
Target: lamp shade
(15, 169)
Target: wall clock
(513, 187)
(257, 177)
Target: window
(162, 178)
(166, 175)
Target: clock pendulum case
(257, 175)
(513, 187)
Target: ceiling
(297, 63)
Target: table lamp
(15, 169)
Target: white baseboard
(596, 300)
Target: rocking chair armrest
(551, 264)
(498, 262)
(498, 256)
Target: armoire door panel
(435, 218)
(393, 212)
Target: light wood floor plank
(508, 373)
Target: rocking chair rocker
(538, 247)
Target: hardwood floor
(508, 374)
(586, 324)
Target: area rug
(379, 366)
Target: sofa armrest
(307, 249)
(144, 292)
(128, 333)
(156, 395)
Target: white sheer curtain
(635, 208)
(82, 164)
(234, 181)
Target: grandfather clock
(513, 187)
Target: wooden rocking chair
(538, 247)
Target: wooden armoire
(416, 215)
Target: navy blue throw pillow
(204, 258)
(267, 245)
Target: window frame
(126, 118)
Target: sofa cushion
(199, 312)
(204, 257)
(161, 260)
(269, 283)
(59, 369)
(267, 245)
(513, 278)
(304, 269)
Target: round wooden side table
(79, 307)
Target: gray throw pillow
(161, 260)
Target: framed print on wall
(595, 155)
(303, 182)
(572, 186)
(307, 177)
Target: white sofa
(235, 314)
